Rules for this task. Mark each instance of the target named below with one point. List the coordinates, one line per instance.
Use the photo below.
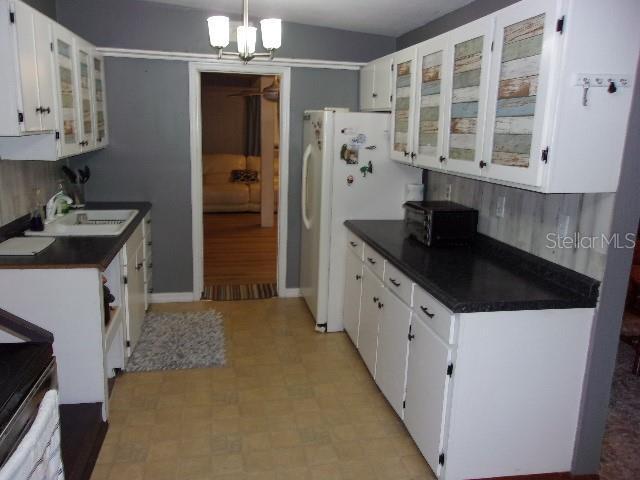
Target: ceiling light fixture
(271, 29)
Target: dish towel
(38, 455)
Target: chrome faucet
(54, 205)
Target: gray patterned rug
(174, 341)
(620, 457)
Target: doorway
(239, 133)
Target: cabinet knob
(46, 110)
(483, 164)
(442, 158)
(39, 110)
(413, 155)
(374, 95)
(426, 311)
(139, 266)
(405, 153)
(380, 305)
(149, 243)
(353, 244)
(358, 277)
(371, 261)
(394, 281)
(375, 299)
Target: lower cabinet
(474, 397)
(428, 376)
(134, 290)
(369, 319)
(352, 296)
(393, 345)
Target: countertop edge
(101, 264)
(457, 306)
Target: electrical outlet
(563, 225)
(447, 192)
(502, 200)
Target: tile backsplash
(529, 218)
(18, 183)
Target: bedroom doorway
(240, 160)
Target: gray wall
(48, 7)
(466, 14)
(148, 158)
(157, 26)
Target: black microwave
(441, 223)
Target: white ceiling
(384, 17)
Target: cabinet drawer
(436, 315)
(398, 283)
(355, 245)
(374, 261)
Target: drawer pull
(394, 281)
(375, 299)
(380, 305)
(426, 312)
(371, 261)
(358, 277)
(353, 244)
(139, 266)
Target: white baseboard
(289, 292)
(171, 297)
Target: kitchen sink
(88, 223)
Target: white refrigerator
(346, 175)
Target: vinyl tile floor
(290, 404)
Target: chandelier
(271, 29)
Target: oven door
(26, 413)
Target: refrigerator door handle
(305, 171)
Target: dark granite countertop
(76, 252)
(487, 276)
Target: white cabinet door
(366, 87)
(46, 75)
(85, 93)
(382, 81)
(393, 343)
(431, 99)
(520, 71)
(369, 319)
(469, 61)
(67, 101)
(427, 391)
(404, 65)
(100, 101)
(28, 68)
(134, 288)
(33, 31)
(352, 296)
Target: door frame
(195, 131)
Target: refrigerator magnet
(348, 154)
(366, 169)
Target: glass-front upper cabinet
(99, 95)
(517, 98)
(404, 63)
(67, 101)
(469, 63)
(85, 88)
(432, 98)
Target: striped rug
(254, 291)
